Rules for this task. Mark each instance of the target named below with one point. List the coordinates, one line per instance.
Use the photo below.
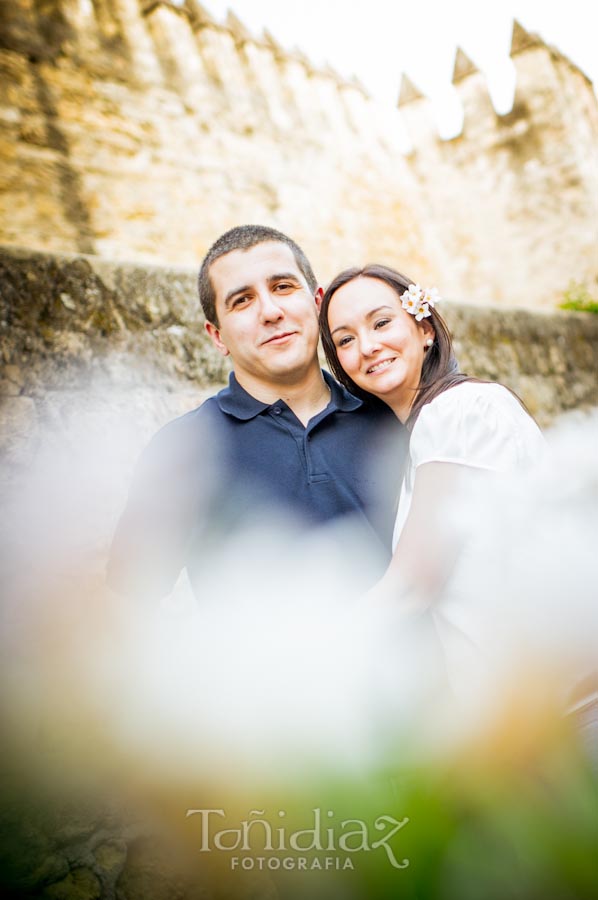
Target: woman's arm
(430, 542)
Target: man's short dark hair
(242, 238)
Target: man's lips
(276, 338)
(380, 366)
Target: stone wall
(138, 131)
(142, 130)
(76, 326)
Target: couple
(284, 434)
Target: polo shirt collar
(235, 401)
(341, 397)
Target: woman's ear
(428, 331)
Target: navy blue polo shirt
(235, 458)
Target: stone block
(80, 884)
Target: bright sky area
(380, 39)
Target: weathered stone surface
(549, 359)
(145, 136)
(64, 319)
(132, 338)
(80, 884)
(110, 858)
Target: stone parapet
(71, 323)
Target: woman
(383, 336)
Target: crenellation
(246, 112)
(463, 66)
(179, 58)
(142, 129)
(531, 172)
(479, 115)
(300, 91)
(358, 112)
(521, 39)
(145, 66)
(115, 54)
(417, 115)
(199, 16)
(267, 85)
(408, 92)
(150, 6)
(224, 63)
(355, 82)
(295, 53)
(239, 32)
(336, 121)
(270, 41)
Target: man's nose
(270, 309)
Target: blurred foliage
(507, 812)
(578, 297)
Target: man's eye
(381, 322)
(283, 286)
(239, 301)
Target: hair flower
(422, 312)
(417, 301)
(431, 297)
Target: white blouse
(485, 427)
(472, 424)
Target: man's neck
(306, 396)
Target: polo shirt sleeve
(165, 506)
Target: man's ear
(214, 333)
(319, 297)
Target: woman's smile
(380, 366)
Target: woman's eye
(344, 341)
(381, 322)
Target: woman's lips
(380, 366)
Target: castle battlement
(144, 128)
(529, 54)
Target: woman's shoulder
(476, 423)
(472, 394)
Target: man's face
(267, 315)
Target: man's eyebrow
(234, 292)
(281, 276)
(284, 276)
(369, 315)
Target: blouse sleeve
(478, 425)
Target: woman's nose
(368, 344)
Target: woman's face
(379, 345)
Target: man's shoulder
(207, 410)
(186, 433)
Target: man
(283, 436)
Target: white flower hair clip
(417, 301)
